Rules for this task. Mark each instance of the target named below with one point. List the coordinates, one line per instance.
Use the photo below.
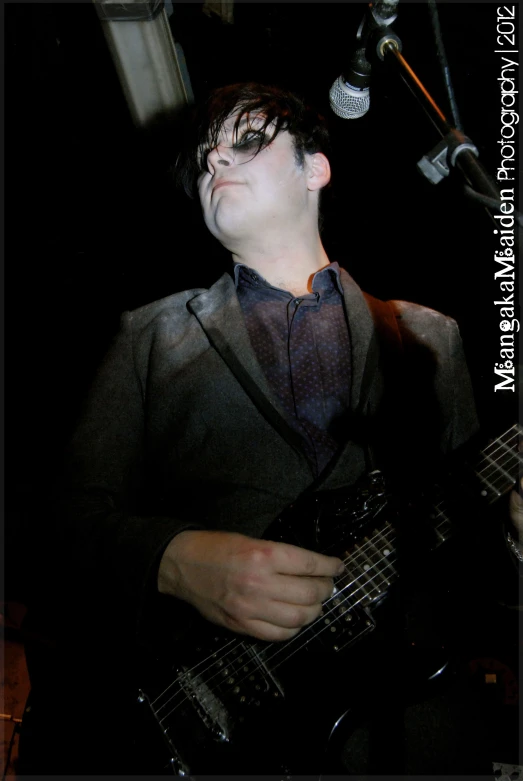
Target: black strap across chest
(385, 353)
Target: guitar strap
(385, 351)
(387, 431)
(271, 414)
(379, 430)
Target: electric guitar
(223, 702)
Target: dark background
(94, 225)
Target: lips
(224, 183)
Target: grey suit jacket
(170, 438)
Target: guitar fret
(509, 447)
(507, 442)
(356, 573)
(220, 669)
(498, 467)
(390, 548)
(497, 480)
(502, 460)
(383, 559)
(369, 581)
(439, 528)
(510, 463)
(444, 522)
(371, 566)
(488, 483)
(361, 577)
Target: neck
(289, 265)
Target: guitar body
(221, 697)
(277, 725)
(227, 704)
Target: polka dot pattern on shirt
(303, 347)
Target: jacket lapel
(219, 313)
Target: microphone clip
(435, 165)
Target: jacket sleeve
(462, 422)
(110, 540)
(438, 398)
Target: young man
(216, 409)
(260, 166)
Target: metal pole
(150, 66)
(475, 174)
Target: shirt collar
(244, 274)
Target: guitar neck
(371, 563)
(498, 466)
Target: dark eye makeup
(247, 141)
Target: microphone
(349, 96)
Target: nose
(221, 155)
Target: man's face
(244, 194)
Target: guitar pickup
(343, 625)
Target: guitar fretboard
(371, 562)
(370, 572)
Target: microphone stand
(455, 149)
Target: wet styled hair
(276, 110)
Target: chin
(231, 227)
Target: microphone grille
(347, 102)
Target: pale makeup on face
(261, 203)
(244, 190)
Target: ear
(319, 171)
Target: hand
(269, 590)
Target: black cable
(442, 57)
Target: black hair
(276, 107)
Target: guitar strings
(262, 652)
(346, 600)
(280, 647)
(225, 650)
(358, 551)
(193, 669)
(361, 550)
(363, 597)
(339, 599)
(327, 626)
(508, 451)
